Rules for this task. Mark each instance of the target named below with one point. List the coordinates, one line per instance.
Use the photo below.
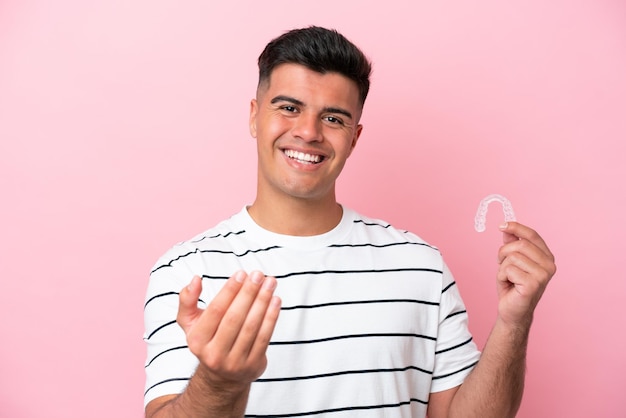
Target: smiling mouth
(303, 158)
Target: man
(371, 322)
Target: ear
(355, 138)
(253, 112)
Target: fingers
(223, 309)
(259, 326)
(526, 267)
(521, 270)
(190, 316)
(515, 231)
(231, 335)
(188, 304)
(241, 322)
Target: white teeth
(302, 157)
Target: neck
(296, 217)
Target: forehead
(295, 79)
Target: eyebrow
(283, 98)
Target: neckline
(298, 242)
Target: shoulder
(232, 226)
(380, 228)
(217, 238)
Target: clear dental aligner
(481, 215)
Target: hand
(230, 337)
(526, 267)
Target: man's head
(305, 117)
(321, 50)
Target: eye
(289, 108)
(334, 120)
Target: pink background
(123, 129)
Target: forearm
(201, 400)
(495, 386)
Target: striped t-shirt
(371, 320)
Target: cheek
(273, 127)
(344, 144)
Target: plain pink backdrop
(123, 129)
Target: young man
(371, 323)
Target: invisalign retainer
(481, 215)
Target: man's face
(306, 126)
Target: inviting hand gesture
(230, 337)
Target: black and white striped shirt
(371, 320)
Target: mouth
(304, 158)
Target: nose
(307, 127)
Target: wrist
(226, 391)
(515, 332)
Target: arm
(495, 386)
(230, 339)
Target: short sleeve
(169, 363)
(456, 353)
